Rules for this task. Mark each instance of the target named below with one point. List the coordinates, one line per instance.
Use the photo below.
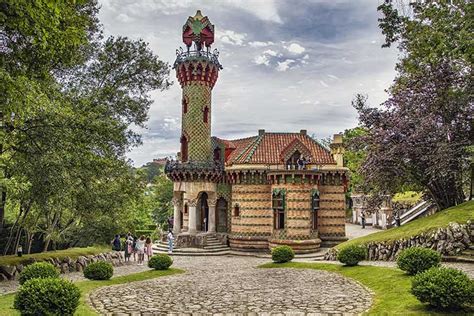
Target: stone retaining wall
(450, 240)
(65, 265)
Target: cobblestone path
(234, 285)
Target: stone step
(196, 254)
(216, 247)
(193, 250)
(468, 252)
(463, 259)
(213, 243)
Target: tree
(69, 104)
(421, 134)
(163, 194)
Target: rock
(8, 271)
(3, 277)
(19, 268)
(79, 267)
(64, 267)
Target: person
(116, 244)
(148, 248)
(170, 242)
(140, 246)
(362, 219)
(304, 163)
(299, 163)
(397, 218)
(205, 224)
(134, 248)
(128, 248)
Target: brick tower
(197, 69)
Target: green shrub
(416, 259)
(351, 255)
(281, 254)
(40, 270)
(443, 288)
(100, 270)
(50, 296)
(160, 262)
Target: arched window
(206, 115)
(184, 149)
(185, 105)
(315, 201)
(292, 162)
(217, 154)
(278, 205)
(236, 210)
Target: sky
(288, 65)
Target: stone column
(212, 215)
(192, 216)
(177, 205)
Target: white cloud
(295, 48)
(260, 44)
(333, 77)
(230, 37)
(265, 10)
(271, 53)
(324, 84)
(284, 65)
(122, 17)
(305, 57)
(261, 60)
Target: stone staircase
(213, 247)
(467, 256)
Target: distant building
(258, 192)
(160, 161)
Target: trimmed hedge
(282, 254)
(351, 255)
(50, 296)
(38, 270)
(417, 259)
(443, 288)
(100, 270)
(160, 262)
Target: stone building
(252, 193)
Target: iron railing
(182, 56)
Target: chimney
(337, 150)
(303, 132)
(261, 132)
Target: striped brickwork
(256, 217)
(198, 132)
(332, 212)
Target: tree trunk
(46, 243)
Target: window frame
(278, 207)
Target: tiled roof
(269, 148)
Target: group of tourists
(299, 164)
(136, 247)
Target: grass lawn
(391, 287)
(71, 252)
(6, 301)
(459, 214)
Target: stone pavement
(354, 231)
(234, 285)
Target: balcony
(183, 56)
(194, 170)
